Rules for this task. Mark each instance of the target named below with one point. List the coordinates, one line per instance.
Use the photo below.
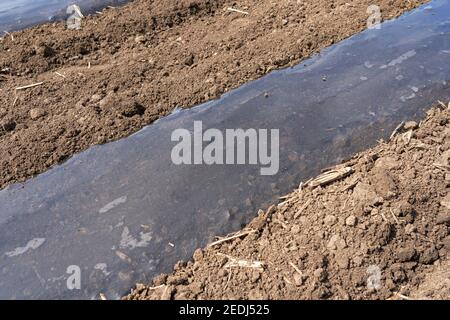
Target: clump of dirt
(381, 231)
(129, 66)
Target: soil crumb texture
(62, 90)
(373, 227)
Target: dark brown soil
(145, 59)
(391, 215)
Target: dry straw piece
(241, 263)
(237, 235)
(237, 10)
(29, 86)
(330, 176)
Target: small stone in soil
(330, 220)
(96, 98)
(37, 113)
(298, 279)
(350, 221)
